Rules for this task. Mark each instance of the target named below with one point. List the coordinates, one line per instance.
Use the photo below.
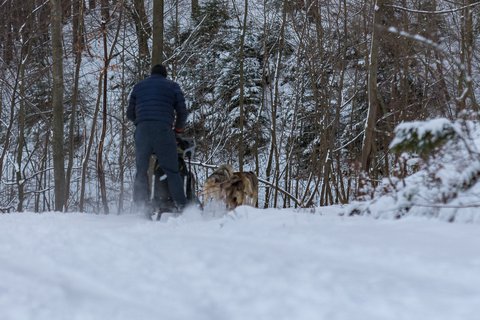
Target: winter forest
(370, 103)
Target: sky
(247, 264)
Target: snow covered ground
(252, 264)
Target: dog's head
(213, 184)
(221, 174)
(234, 192)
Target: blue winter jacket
(158, 99)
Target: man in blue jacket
(157, 108)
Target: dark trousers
(153, 137)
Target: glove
(178, 133)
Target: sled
(162, 203)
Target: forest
(314, 96)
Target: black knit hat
(159, 69)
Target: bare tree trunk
(66, 9)
(143, 30)
(265, 88)
(107, 57)
(195, 8)
(8, 38)
(77, 26)
(20, 177)
(105, 10)
(89, 145)
(468, 46)
(123, 134)
(100, 169)
(8, 133)
(42, 177)
(157, 46)
(78, 61)
(273, 153)
(57, 102)
(39, 179)
(241, 148)
(373, 98)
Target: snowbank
(251, 264)
(438, 177)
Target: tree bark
(57, 102)
(20, 177)
(92, 4)
(123, 134)
(373, 98)
(105, 10)
(273, 153)
(195, 8)
(66, 9)
(241, 148)
(107, 57)
(157, 46)
(77, 26)
(89, 145)
(71, 134)
(143, 30)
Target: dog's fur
(212, 190)
(232, 188)
(241, 189)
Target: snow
(439, 177)
(435, 127)
(250, 264)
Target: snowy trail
(254, 264)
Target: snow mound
(438, 178)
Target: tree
(242, 88)
(157, 45)
(78, 49)
(57, 104)
(373, 97)
(143, 31)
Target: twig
(433, 12)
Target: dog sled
(161, 200)
(223, 190)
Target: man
(157, 108)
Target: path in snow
(253, 264)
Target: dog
(231, 188)
(241, 189)
(213, 190)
